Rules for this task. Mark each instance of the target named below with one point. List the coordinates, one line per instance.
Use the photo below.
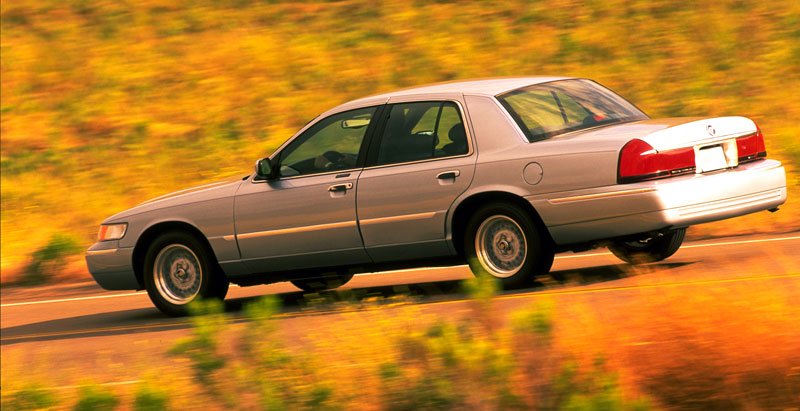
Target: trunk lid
(682, 132)
(667, 133)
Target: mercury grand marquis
(498, 173)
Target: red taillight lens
(640, 161)
(751, 147)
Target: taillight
(751, 147)
(640, 161)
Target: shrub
(149, 398)
(29, 398)
(95, 398)
(202, 346)
(47, 261)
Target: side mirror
(264, 169)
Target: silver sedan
(500, 173)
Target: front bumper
(625, 209)
(111, 266)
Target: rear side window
(422, 131)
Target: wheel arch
(468, 205)
(151, 233)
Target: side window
(451, 134)
(329, 145)
(421, 131)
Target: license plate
(710, 159)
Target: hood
(201, 193)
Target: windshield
(546, 110)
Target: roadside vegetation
(391, 354)
(107, 104)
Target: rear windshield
(550, 109)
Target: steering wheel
(329, 160)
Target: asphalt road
(79, 326)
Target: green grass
(106, 104)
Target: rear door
(420, 160)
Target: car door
(419, 162)
(306, 217)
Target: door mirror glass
(264, 169)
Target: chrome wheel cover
(178, 274)
(501, 246)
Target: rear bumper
(112, 267)
(676, 202)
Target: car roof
(485, 87)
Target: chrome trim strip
(397, 218)
(102, 252)
(295, 230)
(229, 237)
(600, 195)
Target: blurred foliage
(95, 398)
(202, 347)
(47, 261)
(442, 365)
(150, 398)
(105, 104)
(30, 397)
(597, 390)
(652, 352)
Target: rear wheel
(179, 269)
(649, 249)
(503, 242)
(323, 282)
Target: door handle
(448, 175)
(340, 187)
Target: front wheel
(649, 249)
(178, 270)
(503, 242)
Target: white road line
(762, 240)
(91, 297)
(96, 297)
(563, 257)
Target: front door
(423, 160)
(306, 217)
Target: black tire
(179, 269)
(502, 241)
(327, 281)
(649, 249)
